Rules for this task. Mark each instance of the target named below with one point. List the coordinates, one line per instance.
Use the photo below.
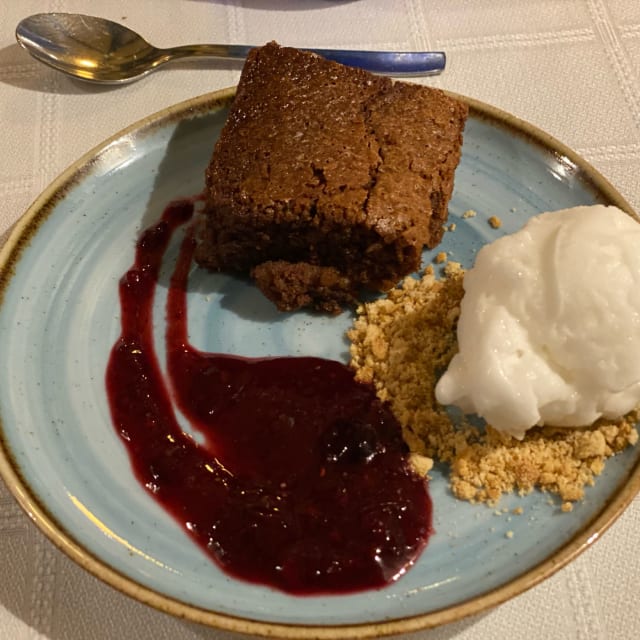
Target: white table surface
(572, 67)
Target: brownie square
(327, 179)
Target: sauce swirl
(301, 482)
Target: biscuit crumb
(508, 534)
(403, 343)
(495, 222)
(567, 507)
(469, 213)
(452, 227)
(421, 464)
(441, 257)
(518, 511)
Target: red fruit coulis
(301, 480)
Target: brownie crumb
(404, 342)
(293, 285)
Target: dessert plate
(65, 464)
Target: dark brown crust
(330, 166)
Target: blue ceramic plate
(59, 318)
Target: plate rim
(19, 237)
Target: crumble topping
(404, 342)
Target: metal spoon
(103, 51)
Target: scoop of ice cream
(549, 328)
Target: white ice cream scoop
(549, 330)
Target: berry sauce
(301, 481)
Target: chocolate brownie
(327, 179)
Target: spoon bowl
(102, 51)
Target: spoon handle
(395, 63)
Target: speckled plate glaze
(61, 457)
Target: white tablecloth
(571, 67)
